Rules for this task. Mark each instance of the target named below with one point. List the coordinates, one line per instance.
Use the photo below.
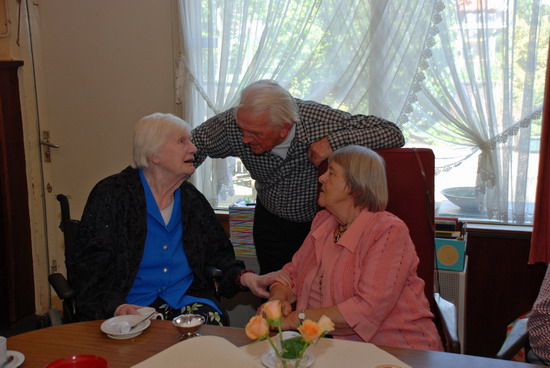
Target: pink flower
(272, 310)
(256, 328)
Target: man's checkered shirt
(288, 187)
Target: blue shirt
(164, 271)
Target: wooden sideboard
(16, 266)
(500, 287)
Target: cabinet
(500, 286)
(16, 268)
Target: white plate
(269, 359)
(18, 359)
(111, 326)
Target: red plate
(79, 361)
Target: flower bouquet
(289, 352)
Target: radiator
(452, 287)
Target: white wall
(92, 69)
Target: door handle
(46, 142)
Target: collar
(350, 238)
(281, 149)
(153, 208)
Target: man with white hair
(281, 140)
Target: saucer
(18, 359)
(269, 359)
(112, 326)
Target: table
(45, 345)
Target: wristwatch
(302, 316)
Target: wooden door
(100, 66)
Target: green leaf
(293, 347)
(215, 316)
(193, 307)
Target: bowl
(188, 325)
(79, 361)
(463, 197)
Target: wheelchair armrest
(446, 312)
(517, 339)
(213, 272)
(61, 286)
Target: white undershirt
(282, 149)
(167, 212)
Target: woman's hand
(258, 284)
(286, 308)
(127, 309)
(290, 321)
(280, 277)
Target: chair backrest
(68, 226)
(410, 175)
(60, 283)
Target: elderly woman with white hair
(147, 235)
(358, 264)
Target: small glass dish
(188, 325)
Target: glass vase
(288, 362)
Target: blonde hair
(365, 175)
(151, 132)
(269, 95)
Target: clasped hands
(258, 284)
(319, 151)
(282, 291)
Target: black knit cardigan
(111, 241)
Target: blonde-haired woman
(358, 264)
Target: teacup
(145, 311)
(3, 350)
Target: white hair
(151, 132)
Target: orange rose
(272, 310)
(310, 330)
(325, 324)
(256, 328)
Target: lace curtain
(477, 95)
(459, 76)
(357, 55)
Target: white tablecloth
(213, 351)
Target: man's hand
(319, 151)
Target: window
(479, 108)
(464, 78)
(243, 187)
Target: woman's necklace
(340, 229)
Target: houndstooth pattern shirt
(288, 187)
(538, 324)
